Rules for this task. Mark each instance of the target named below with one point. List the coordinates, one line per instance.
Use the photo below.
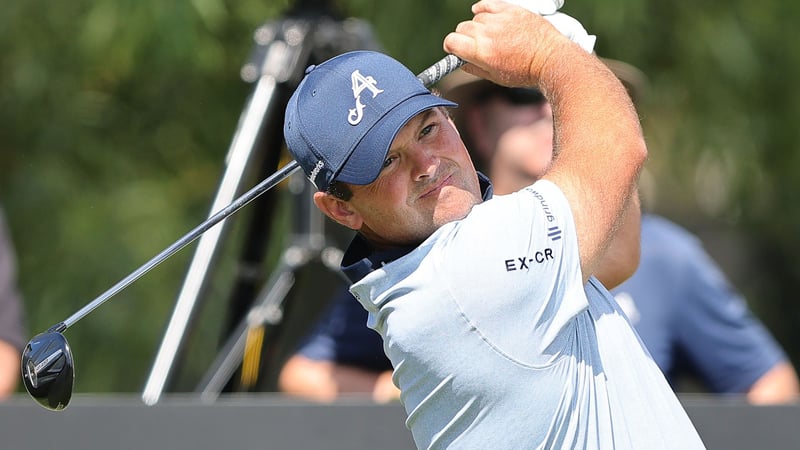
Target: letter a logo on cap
(360, 82)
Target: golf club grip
(436, 72)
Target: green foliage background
(116, 116)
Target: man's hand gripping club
(488, 41)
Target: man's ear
(338, 210)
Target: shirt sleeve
(729, 347)
(525, 246)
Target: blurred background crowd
(117, 117)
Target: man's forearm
(779, 385)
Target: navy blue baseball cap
(344, 115)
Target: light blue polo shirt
(496, 342)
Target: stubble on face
(429, 181)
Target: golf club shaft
(429, 76)
(234, 206)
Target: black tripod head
(312, 31)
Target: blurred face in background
(512, 135)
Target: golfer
(499, 335)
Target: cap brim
(366, 161)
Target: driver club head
(48, 370)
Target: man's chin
(455, 204)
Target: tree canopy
(117, 116)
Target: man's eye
(427, 130)
(388, 161)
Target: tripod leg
(239, 156)
(258, 235)
(268, 310)
(283, 51)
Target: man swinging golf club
(499, 335)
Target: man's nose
(426, 163)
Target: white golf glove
(571, 28)
(567, 25)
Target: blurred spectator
(688, 315)
(696, 325)
(340, 356)
(12, 333)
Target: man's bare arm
(622, 257)
(597, 134)
(779, 385)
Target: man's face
(427, 180)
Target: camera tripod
(309, 33)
